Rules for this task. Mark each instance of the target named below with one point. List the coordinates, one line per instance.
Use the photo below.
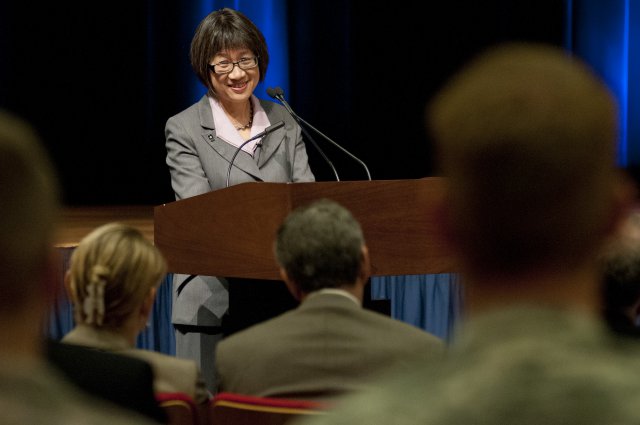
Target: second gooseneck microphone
(278, 93)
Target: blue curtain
(270, 16)
(606, 34)
(159, 336)
(61, 318)
(431, 302)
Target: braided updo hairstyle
(112, 271)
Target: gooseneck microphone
(263, 133)
(274, 93)
(278, 93)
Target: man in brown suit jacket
(329, 344)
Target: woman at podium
(214, 143)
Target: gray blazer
(326, 346)
(198, 162)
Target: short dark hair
(526, 136)
(320, 246)
(30, 205)
(222, 30)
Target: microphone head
(272, 92)
(278, 91)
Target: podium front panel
(230, 232)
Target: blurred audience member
(526, 137)
(32, 392)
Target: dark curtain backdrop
(99, 80)
(607, 36)
(363, 71)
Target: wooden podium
(230, 232)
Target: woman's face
(237, 85)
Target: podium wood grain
(230, 232)
(77, 222)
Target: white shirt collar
(335, 291)
(226, 131)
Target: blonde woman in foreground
(112, 282)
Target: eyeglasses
(225, 67)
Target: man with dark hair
(329, 344)
(526, 138)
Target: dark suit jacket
(327, 346)
(124, 381)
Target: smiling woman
(229, 55)
(234, 77)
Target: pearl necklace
(250, 123)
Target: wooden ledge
(77, 222)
